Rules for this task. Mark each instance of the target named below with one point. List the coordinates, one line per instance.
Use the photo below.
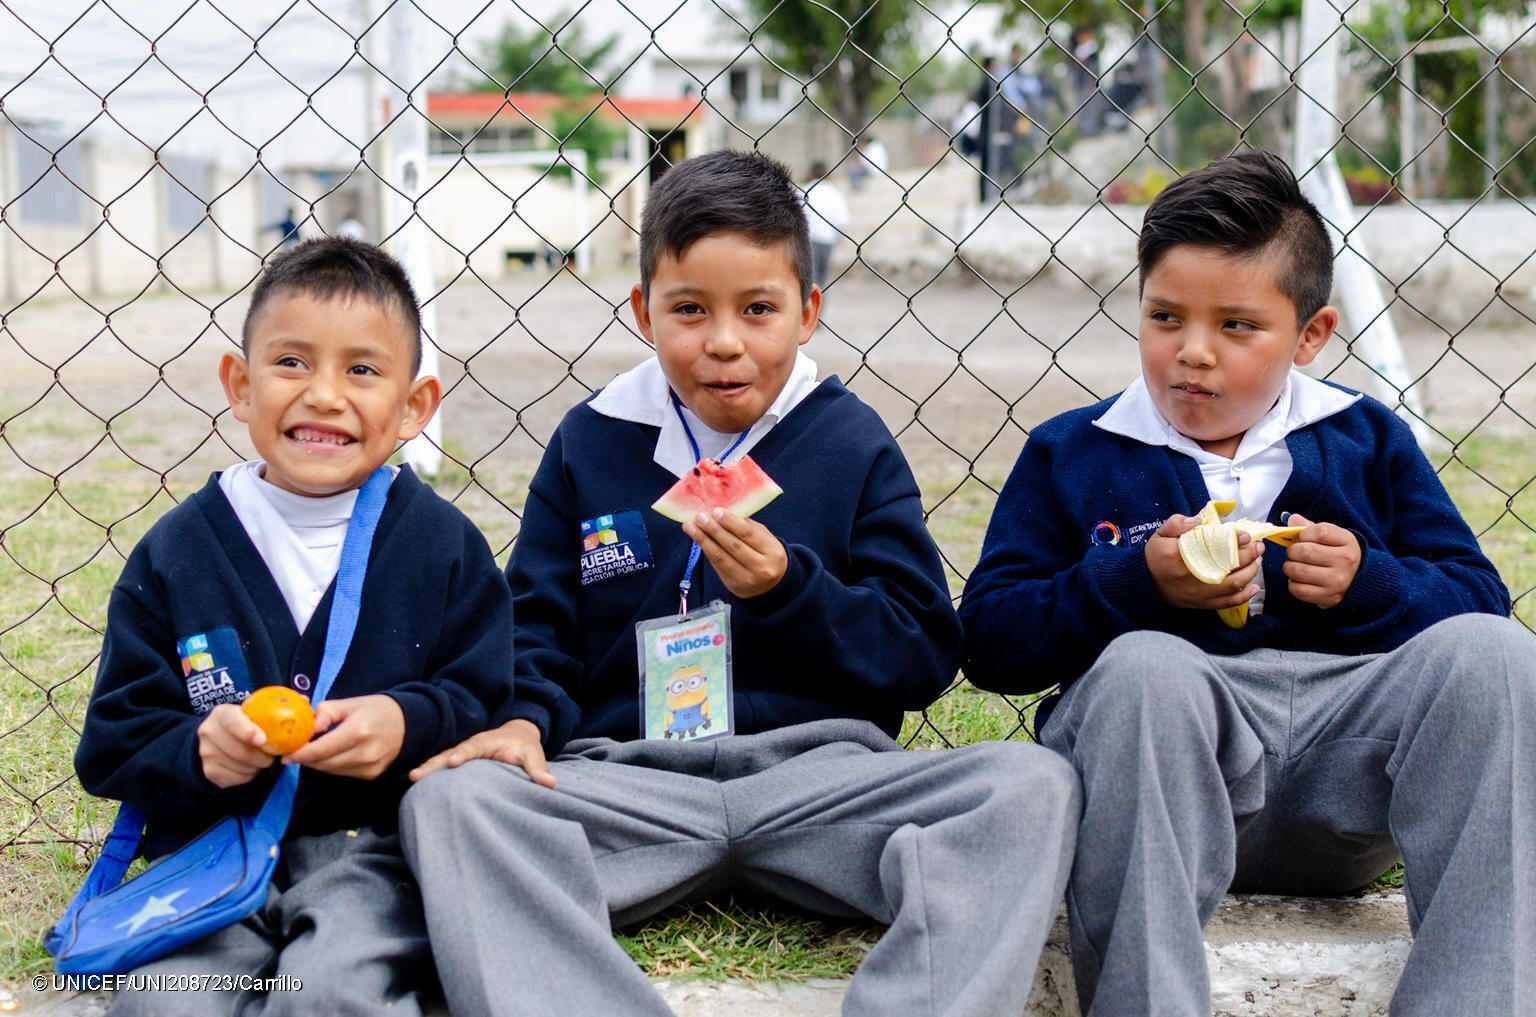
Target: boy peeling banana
(1210, 549)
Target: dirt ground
(956, 368)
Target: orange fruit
(284, 715)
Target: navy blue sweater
(1045, 598)
(860, 626)
(434, 634)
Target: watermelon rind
(756, 499)
(684, 500)
(678, 506)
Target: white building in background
(521, 204)
(742, 83)
(248, 112)
(225, 113)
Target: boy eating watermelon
(807, 629)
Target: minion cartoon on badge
(687, 702)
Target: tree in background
(839, 43)
(1453, 83)
(561, 61)
(536, 61)
(1201, 47)
(1215, 109)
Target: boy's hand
(230, 746)
(362, 736)
(1178, 588)
(1322, 564)
(746, 556)
(516, 742)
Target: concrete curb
(1268, 956)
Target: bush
(1368, 185)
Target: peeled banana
(1209, 550)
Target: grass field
(50, 655)
(95, 447)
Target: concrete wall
(122, 242)
(1451, 262)
(134, 246)
(491, 211)
(806, 135)
(1448, 260)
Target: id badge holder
(685, 675)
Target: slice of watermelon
(740, 487)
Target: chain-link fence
(994, 160)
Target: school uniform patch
(612, 546)
(214, 668)
(1141, 531)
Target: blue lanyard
(694, 551)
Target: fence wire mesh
(994, 158)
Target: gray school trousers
(1306, 773)
(342, 919)
(964, 853)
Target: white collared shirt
(1257, 472)
(299, 537)
(642, 395)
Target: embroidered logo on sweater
(612, 546)
(1141, 531)
(1105, 532)
(214, 668)
(1108, 534)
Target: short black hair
(725, 192)
(329, 267)
(1244, 204)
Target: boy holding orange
(231, 591)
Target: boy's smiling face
(327, 391)
(726, 320)
(1218, 338)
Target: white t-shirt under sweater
(299, 537)
(1257, 472)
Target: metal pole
(1407, 102)
(1165, 139)
(373, 215)
(407, 173)
(583, 253)
(1376, 340)
(8, 189)
(992, 178)
(1491, 121)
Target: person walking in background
(287, 229)
(870, 158)
(827, 215)
(1084, 72)
(997, 126)
(1026, 93)
(351, 229)
(966, 137)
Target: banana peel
(1209, 550)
